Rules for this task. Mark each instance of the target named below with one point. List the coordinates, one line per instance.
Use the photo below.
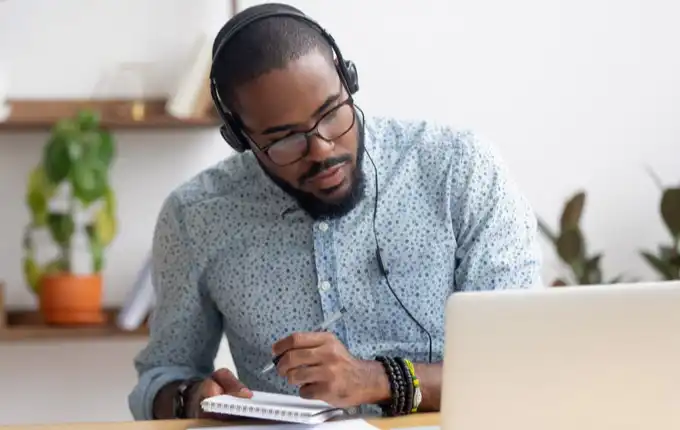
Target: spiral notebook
(273, 406)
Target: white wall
(578, 93)
(46, 55)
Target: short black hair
(262, 46)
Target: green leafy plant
(571, 247)
(667, 261)
(71, 183)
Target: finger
(302, 340)
(306, 375)
(298, 357)
(210, 388)
(230, 384)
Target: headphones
(230, 129)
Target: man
(329, 209)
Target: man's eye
(331, 114)
(285, 137)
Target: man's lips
(327, 173)
(329, 178)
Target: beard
(318, 208)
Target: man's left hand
(323, 369)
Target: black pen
(323, 327)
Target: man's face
(280, 105)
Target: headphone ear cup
(351, 76)
(231, 135)
(228, 129)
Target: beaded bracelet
(410, 387)
(396, 378)
(389, 408)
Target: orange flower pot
(67, 299)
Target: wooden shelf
(41, 115)
(27, 325)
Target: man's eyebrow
(287, 127)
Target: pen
(323, 327)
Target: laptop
(601, 357)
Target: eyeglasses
(332, 125)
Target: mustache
(322, 166)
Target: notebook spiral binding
(254, 410)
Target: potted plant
(571, 247)
(73, 206)
(667, 261)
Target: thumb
(230, 384)
(211, 389)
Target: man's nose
(319, 149)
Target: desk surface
(414, 420)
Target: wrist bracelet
(181, 398)
(401, 387)
(391, 409)
(417, 392)
(408, 385)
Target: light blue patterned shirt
(232, 255)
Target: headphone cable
(381, 265)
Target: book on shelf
(139, 301)
(191, 98)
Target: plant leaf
(675, 262)
(573, 209)
(88, 119)
(666, 252)
(106, 148)
(32, 274)
(670, 210)
(89, 182)
(40, 190)
(592, 273)
(661, 266)
(61, 228)
(570, 246)
(57, 159)
(546, 231)
(97, 251)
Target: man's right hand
(222, 381)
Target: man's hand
(222, 381)
(323, 369)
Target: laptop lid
(572, 358)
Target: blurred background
(578, 96)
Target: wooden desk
(414, 420)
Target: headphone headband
(230, 129)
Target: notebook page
(285, 401)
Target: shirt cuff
(141, 399)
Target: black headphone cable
(381, 264)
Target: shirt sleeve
(185, 326)
(496, 228)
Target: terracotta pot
(71, 299)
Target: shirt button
(323, 226)
(324, 286)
